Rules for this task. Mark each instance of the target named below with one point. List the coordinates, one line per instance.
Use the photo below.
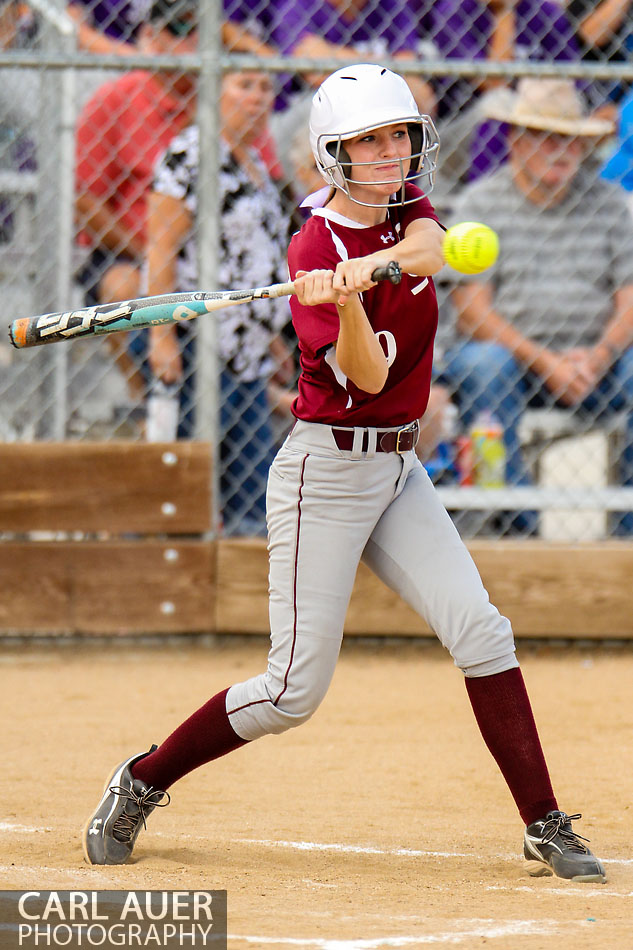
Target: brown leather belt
(399, 440)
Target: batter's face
(546, 162)
(380, 159)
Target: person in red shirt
(122, 131)
(347, 484)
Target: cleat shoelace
(125, 825)
(561, 825)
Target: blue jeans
(485, 375)
(246, 438)
(246, 454)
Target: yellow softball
(470, 247)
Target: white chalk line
(472, 929)
(397, 852)
(369, 849)
(15, 828)
(601, 891)
(11, 827)
(310, 883)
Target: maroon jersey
(403, 317)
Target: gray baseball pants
(327, 509)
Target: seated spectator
(19, 115)
(113, 26)
(253, 247)
(19, 90)
(19, 111)
(604, 30)
(619, 166)
(551, 323)
(122, 131)
(352, 33)
(495, 30)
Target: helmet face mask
(378, 98)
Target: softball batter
(347, 483)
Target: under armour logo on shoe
(95, 828)
(386, 238)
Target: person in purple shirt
(112, 26)
(333, 28)
(497, 30)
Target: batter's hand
(314, 287)
(354, 276)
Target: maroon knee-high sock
(206, 735)
(504, 716)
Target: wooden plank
(242, 594)
(242, 598)
(552, 590)
(113, 487)
(107, 587)
(547, 590)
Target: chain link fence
(147, 147)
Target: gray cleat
(558, 848)
(112, 829)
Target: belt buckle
(414, 427)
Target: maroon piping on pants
(294, 581)
(258, 702)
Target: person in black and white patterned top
(254, 234)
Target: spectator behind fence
(604, 30)
(114, 26)
(19, 90)
(121, 133)
(19, 114)
(494, 30)
(551, 324)
(334, 28)
(252, 254)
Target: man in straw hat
(552, 322)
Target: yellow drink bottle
(489, 451)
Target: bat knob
(394, 272)
(390, 272)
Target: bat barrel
(147, 312)
(21, 333)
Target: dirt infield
(382, 823)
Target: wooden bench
(106, 537)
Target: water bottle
(161, 424)
(489, 451)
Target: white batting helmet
(358, 99)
